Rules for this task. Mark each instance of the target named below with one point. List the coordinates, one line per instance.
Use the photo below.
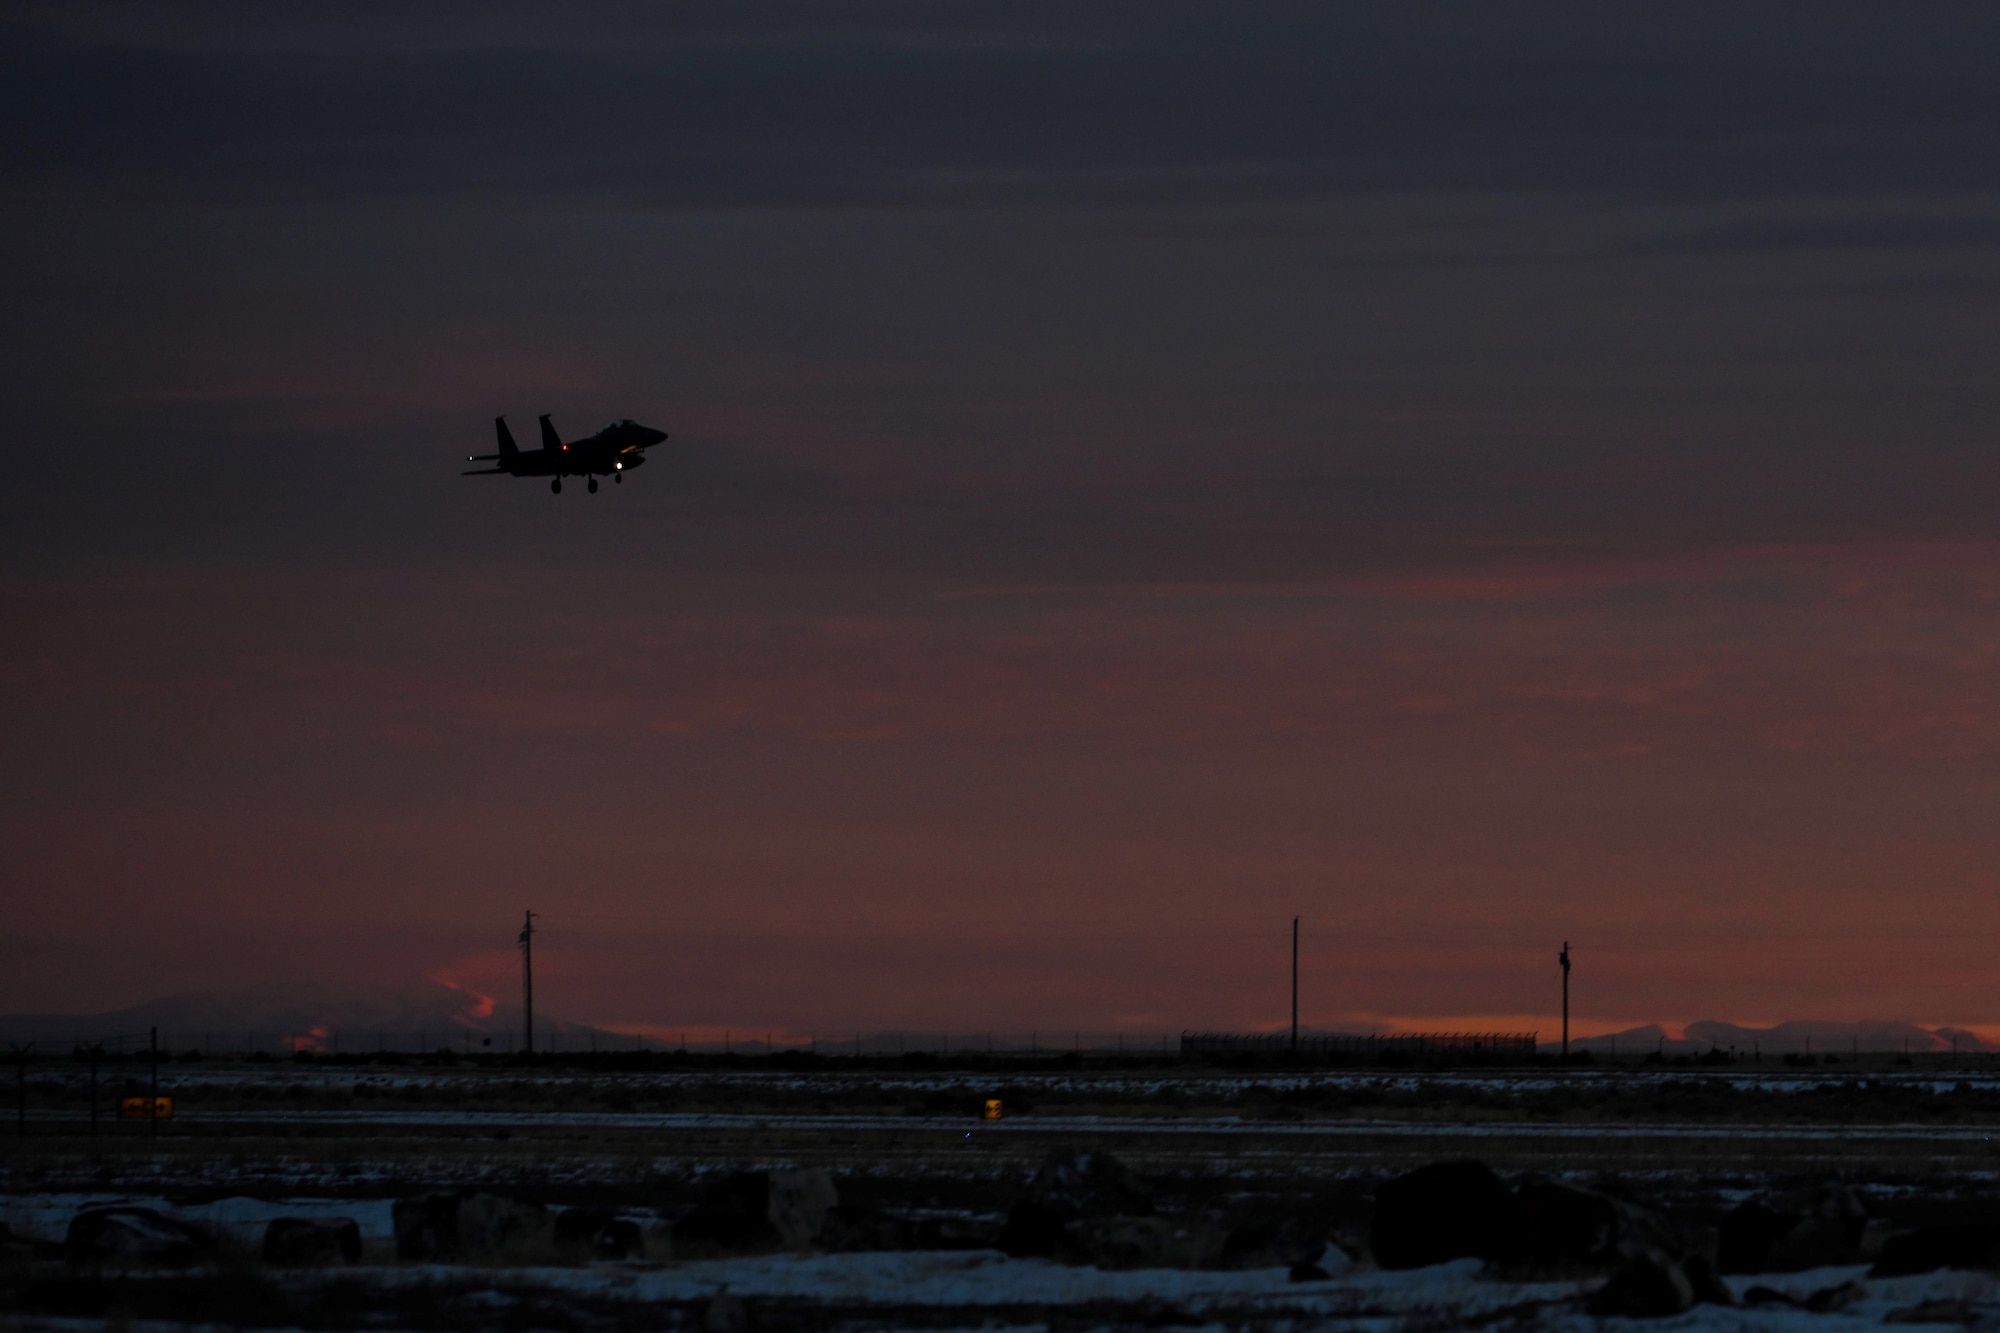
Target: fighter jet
(612, 452)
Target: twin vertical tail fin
(550, 440)
(507, 456)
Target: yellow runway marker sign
(992, 1111)
(145, 1108)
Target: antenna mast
(1563, 958)
(528, 983)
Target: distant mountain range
(429, 1014)
(423, 1015)
(1795, 1038)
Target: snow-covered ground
(987, 1281)
(987, 1290)
(238, 1221)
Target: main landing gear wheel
(617, 477)
(555, 487)
(593, 486)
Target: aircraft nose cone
(657, 435)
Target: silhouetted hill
(274, 1016)
(1820, 1036)
(1797, 1037)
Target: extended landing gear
(592, 488)
(555, 487)
(617, 477)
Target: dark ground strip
(248, 1299)
(192, 1146)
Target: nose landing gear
(592, 488)
(555, 487)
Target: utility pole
(1563, 958)
(528, 984)
(1295, 985)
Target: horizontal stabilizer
(485, 472)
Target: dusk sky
(1470, 476)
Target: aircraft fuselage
(616, 449)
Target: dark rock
(1072, 1187)
(1563, 1226)
(1702, 1276)
(492, 1227)
(1564, 1229)
(1078, 1184)
(426, 1228)
(582, 1234)
(1743, 1242)
(134, 1235)
(623, 1239)
(1789, 1232)
(470, 1226)
(1648, 1285)
(1830, 1232)
(798, 1206)
(1033, 1231)
(312, 1240)
(1448, 1210)
(1283, 1242)
(758, 1212)
(852, 1228)
(732, 1217)
(19, 1249)
(1928, 1249)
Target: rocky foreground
(1085, 1242)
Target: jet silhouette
(612, 452)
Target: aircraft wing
(484, 472)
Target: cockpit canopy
(629, 434)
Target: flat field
(926, 1186)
